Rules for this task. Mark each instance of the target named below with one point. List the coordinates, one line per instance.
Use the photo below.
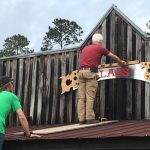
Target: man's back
(91, 55)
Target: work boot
(82, 122)
(102, 119)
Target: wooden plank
(26, 85)
(69, 100)
(7, 73)
(20, 79)
(48, 89)
(14, 74)
(67, 128)
(44, 91)
(138, 83)
(147, 85)
(1, 68)
(40, 88)
(70, 127)
(129, 81)
(120, 83)
(33, 87)
(76, 93)
(112, 86)
(132, 62)
(102, 83)
(62, 96)
(14, 77)
(55, 90)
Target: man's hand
(35, 135)
(25, 125)
(30, 135)
(123, 63)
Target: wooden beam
(117, 65)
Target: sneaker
(92, 121)
(101, 119)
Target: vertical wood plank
(55, 90)
(48, 89)
(33, 87)
(102, 83)
(138, 83)
(112, 82)
(76, 92)
(69, 100)
(20, 80)
(7, 73)
(1, 68)
(14, 77)
(129, 81)
(62, 96)
(120, 45)
(40, 88)
(147, 85)
(26, 85)
(14, 74)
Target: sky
(31, 18)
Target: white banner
(131, 71)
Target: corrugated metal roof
(127, 128)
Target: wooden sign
(134, 70)
(69, 82)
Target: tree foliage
(15, 45)
(148, 26)
(63, 33)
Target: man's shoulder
(8, 93)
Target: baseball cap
(4, 80)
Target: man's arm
(116, 58)
(24, 123)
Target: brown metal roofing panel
(137, 128)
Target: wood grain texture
(37, 82)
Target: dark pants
(1, 140)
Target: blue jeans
(1, 140)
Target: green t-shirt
(9, 102)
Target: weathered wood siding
(37, 80)
(37, 85)
(124, 98)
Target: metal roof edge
(40, 53)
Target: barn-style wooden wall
(37, 80)
(37, 84)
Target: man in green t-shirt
(9, 102)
